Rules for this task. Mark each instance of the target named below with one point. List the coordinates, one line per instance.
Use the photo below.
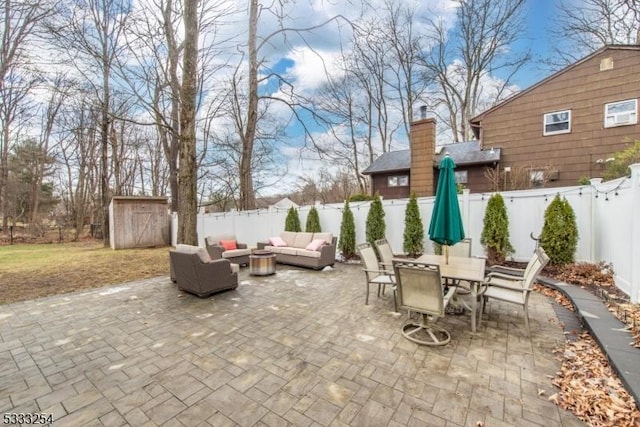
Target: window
(621, 113)
(536, 176)
(461, 177)
(398, 181)
(557, 122)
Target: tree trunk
(187, 172)
(247, 195)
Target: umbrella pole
(446, 254)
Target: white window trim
(633, 116)
(555, 132)
(398, 178)
(464, 172)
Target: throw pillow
(315, 245)
(228, 245)
(277, 241)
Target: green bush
(313, 221)
(559, 237)
(619, 167)
(292, 223)
(375, 225)
(495, 231)
(360, 198)
(413, 243)
(347, 243)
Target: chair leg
(366, 300)
(395, 302)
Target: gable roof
(391, 161)
(462, 153)
(477, 119)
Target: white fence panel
(607, 216)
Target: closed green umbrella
(446, 222)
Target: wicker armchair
(195, 272)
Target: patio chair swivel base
(425, 332)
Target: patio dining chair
(514, 289)
(419, 289)
(461, 249)
(374, 274)
(386, 254)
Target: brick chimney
(422, 140)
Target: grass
(39, 270)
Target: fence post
(634, 254)
(595, 182)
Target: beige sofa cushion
(289, 237)
(306, 253)
(287, 251)
(203, 255)
(303, 239)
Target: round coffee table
(262, 263)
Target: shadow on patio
(296, 348)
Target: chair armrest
(241, 245)
(508, 270)
(215, 251)
(217, 268)
(261, 245)
(504, 276)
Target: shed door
(144, 231)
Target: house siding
(517, 125)
(380, 185)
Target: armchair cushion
(229, 245)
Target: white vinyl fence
(607, 215)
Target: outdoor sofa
(226, 246)
(302, 249)
(193, 270)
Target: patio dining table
(461, 268)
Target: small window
(461, 177)
(398, 181)
(557, 122)
(621, 113)
(536, 176)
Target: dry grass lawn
(34, 271)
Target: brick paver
(296, 348)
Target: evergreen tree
(347, 244)
(495, 233)
(313, 221)
(292, 223)
(375, 226)
(559, 237)
(413, 244)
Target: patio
(296, 348)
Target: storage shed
(139, 222)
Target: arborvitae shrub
(559, 237)
(413, 243)
(375, 226)
(292, 223)
(495, 232)
(347, 243)
(313, 221)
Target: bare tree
(19, 23)
(596, 23)
(187, 172)
(461, 63)
(91, 32)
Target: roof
(462, 153)
(391, 161)
(475, 120)
(468, 153)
